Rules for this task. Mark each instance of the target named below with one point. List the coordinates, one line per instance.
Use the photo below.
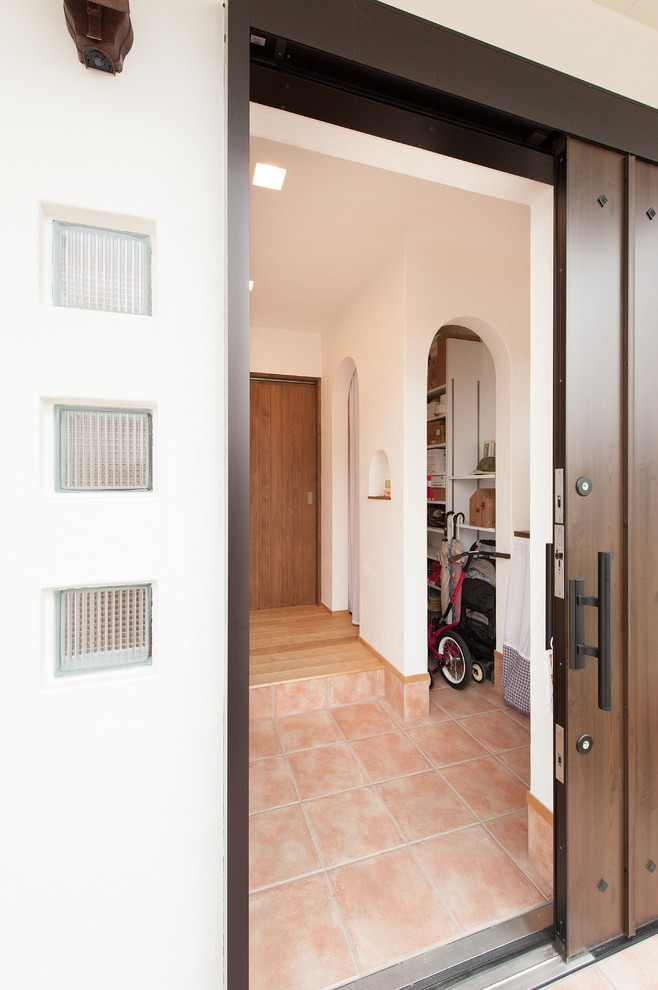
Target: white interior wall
(112, 824)
(541, 487)
(484, 288)
(285, 352)
(510, 298)
(371, 334)
(334, 580)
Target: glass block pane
(101, 450)
(99, 628)
(95, 268)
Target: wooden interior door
(283, 492)
(606, 791)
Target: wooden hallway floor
(290, 644)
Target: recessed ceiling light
(269, 176)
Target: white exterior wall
(578, 37)
(112, 822)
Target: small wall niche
(379, 477)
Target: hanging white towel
(516, 640)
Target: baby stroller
(460, 642)
(477, 623)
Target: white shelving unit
(471, 420)
(435, 533)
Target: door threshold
(515, 955)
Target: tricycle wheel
(455, 660)
(478, 671)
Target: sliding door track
(515, 955)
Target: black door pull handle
(605, 668)
(578, 649)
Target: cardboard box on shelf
(482, 508)
(439, 494)
(436, 461)
(436, 366)
(436, 432)
(438, 481)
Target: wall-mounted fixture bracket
(102, 32)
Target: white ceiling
(340, 213)
(349, 199)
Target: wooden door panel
(309, 497)
(284, 464)
(259, 503)
(282, 533)
(591, 905)
(643, 589)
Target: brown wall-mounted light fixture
(102, 32)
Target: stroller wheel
(478, 672)
(432, 667)
(455, 660)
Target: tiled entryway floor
(634, 968)
(373, 839)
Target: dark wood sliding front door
(284, 493)
(643, 559)
(606, 735)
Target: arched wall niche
(378, 473)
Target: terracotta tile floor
(373, 839)
(634, 968)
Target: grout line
(282, 883)
(607, 979)
(325, 871)
(516, 863)
(478, 820)
(345, 928)
(363, 859)
(497, 756)
(433, 886)
(275, 807)
(323, 868)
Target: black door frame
(374, 68)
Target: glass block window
(100, 628)
(102, 450)
(95, 268)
